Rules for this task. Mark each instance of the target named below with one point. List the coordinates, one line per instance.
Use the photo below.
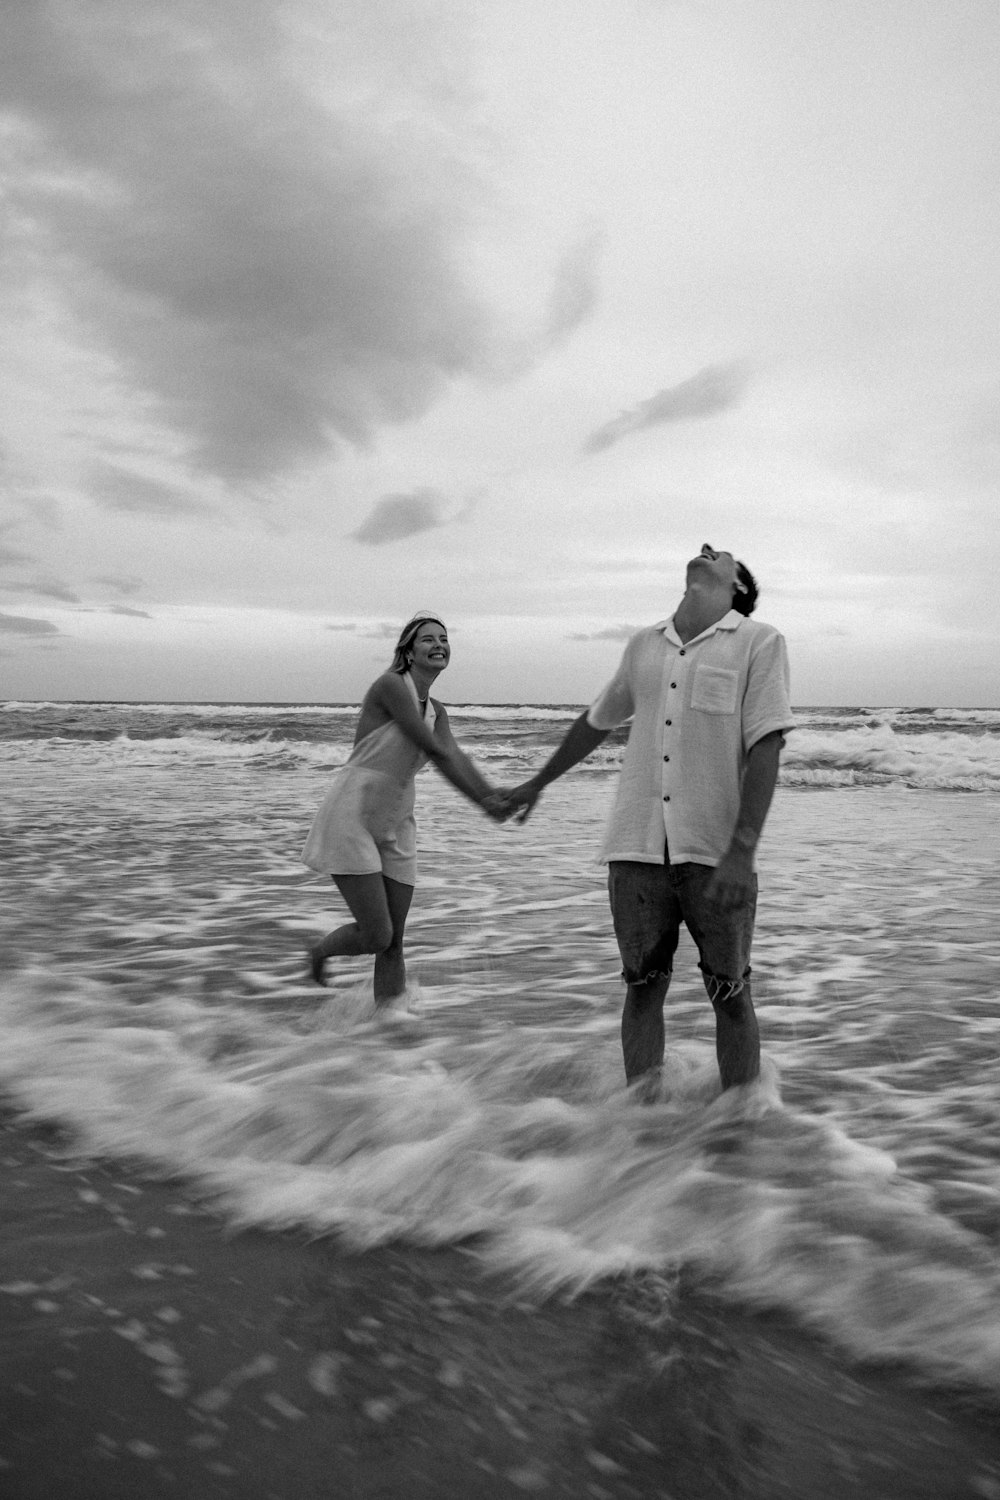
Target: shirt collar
(732, 620)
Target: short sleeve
(616, 703)
(767, 703)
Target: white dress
(365, 823)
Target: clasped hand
(516, 802)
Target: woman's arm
(392, 695)
(458, 767)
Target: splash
(381, 1126)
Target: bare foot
(317, 962)
(646, 1089)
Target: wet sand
(148, 1351)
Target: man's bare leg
(737, 1040)
(643, 1032)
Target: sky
(321, 312)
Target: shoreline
(149, 1351)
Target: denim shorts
(648, 905)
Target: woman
(364, 834)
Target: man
(707, 692)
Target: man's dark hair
(745, 599)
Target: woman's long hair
(408, 634)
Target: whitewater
(154, 1005)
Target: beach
(150, 1352)
(263, 1241)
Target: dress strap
(421, 702)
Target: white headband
(421, 615)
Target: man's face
(720, 566)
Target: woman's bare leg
(372, 928)
(390, 970)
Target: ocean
(154, 1005)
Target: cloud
(119, 584)
(51, 588)
(340, 627)
(574, 290)
(715, 389)
(397, 516)
(610, 633)
(22, 625)
(115, 609)
(10, 555)
(117, 489)
(277, 267)
(40, 588)
(628, 565)
(386, 630)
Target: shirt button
(666, 799)
(666, 757)
(668, 722)
(681, 652)
(673, 684)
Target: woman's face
(430, 648)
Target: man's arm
(580, 739)
(731, 883)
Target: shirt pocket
(714, 690)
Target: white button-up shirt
(697, 709)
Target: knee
(646, 988)
(376, 937)
(731, 997)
